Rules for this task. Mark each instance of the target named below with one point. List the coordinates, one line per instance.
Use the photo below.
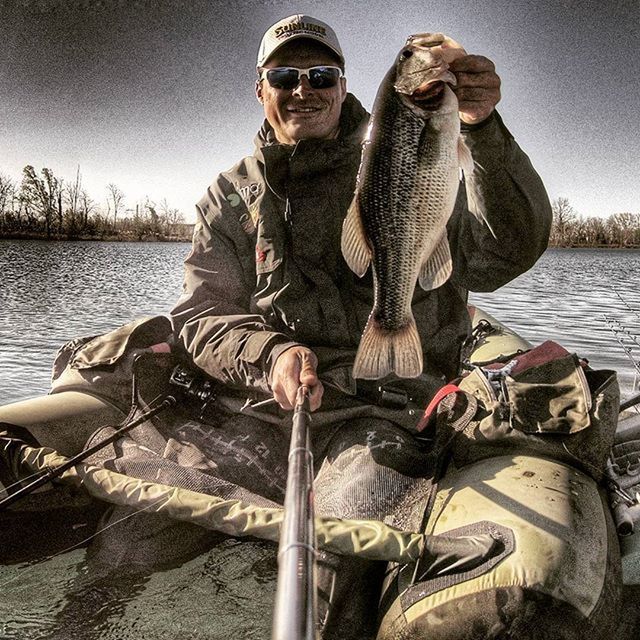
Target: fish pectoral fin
(475, 203)
(465, 159)
(436, 269)
(355, 247)
(383, 352)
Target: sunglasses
(287, 78)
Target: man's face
(302, 112)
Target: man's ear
(343, 87)
(259, 92)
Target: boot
(348, 596)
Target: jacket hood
(353, 123)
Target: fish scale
(388, 216)
(405, 193)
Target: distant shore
(123, 237)
(159, 237)
(593, 246)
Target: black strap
(455, 411)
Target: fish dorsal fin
(355, 247)
(436, 270)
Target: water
(588, 300)
(52, 292)
(224, 593)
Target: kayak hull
(562, 572)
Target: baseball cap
(293, 27)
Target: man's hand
(294, 367)
(478, 88)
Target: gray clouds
(158, 96)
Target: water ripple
(567, 295)
(53, 292)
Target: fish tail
(382, 352)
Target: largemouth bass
(405, 193)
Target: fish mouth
(429, 96)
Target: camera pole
(296, 602)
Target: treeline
(620, 230)
(42, 205)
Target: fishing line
(626, 304)
(617, 328)
(627, 333)
(27, 567)
(33, 476)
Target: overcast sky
(157, 97)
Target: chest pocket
(270, 239)
(268, 257)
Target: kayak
(105, 555)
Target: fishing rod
(296, 601)
(631, 402)
(188, 384)
(56, 472)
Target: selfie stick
(295, 609)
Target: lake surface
(52, 292)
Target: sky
(158, 96)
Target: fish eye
(407, 53)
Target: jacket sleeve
(212, 319)
(506, 190)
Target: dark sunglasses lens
(287, 78)
(283, 78)
(323, 77)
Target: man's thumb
(308, 373)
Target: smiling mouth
(303, 110)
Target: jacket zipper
(288, 217)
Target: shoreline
(95, 238)
(595, 246)
(164, 238)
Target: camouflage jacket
(266, 271)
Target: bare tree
(7, 192)
(115, 199)
(624, 228)
(153, 219)
(169, 216)
(72, 198)
(564, 216)
(41, 194)
(594, 232)
(87, 207)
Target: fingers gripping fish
(406, 191)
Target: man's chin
(306, 131)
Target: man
(269, 303)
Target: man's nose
(303, 87)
